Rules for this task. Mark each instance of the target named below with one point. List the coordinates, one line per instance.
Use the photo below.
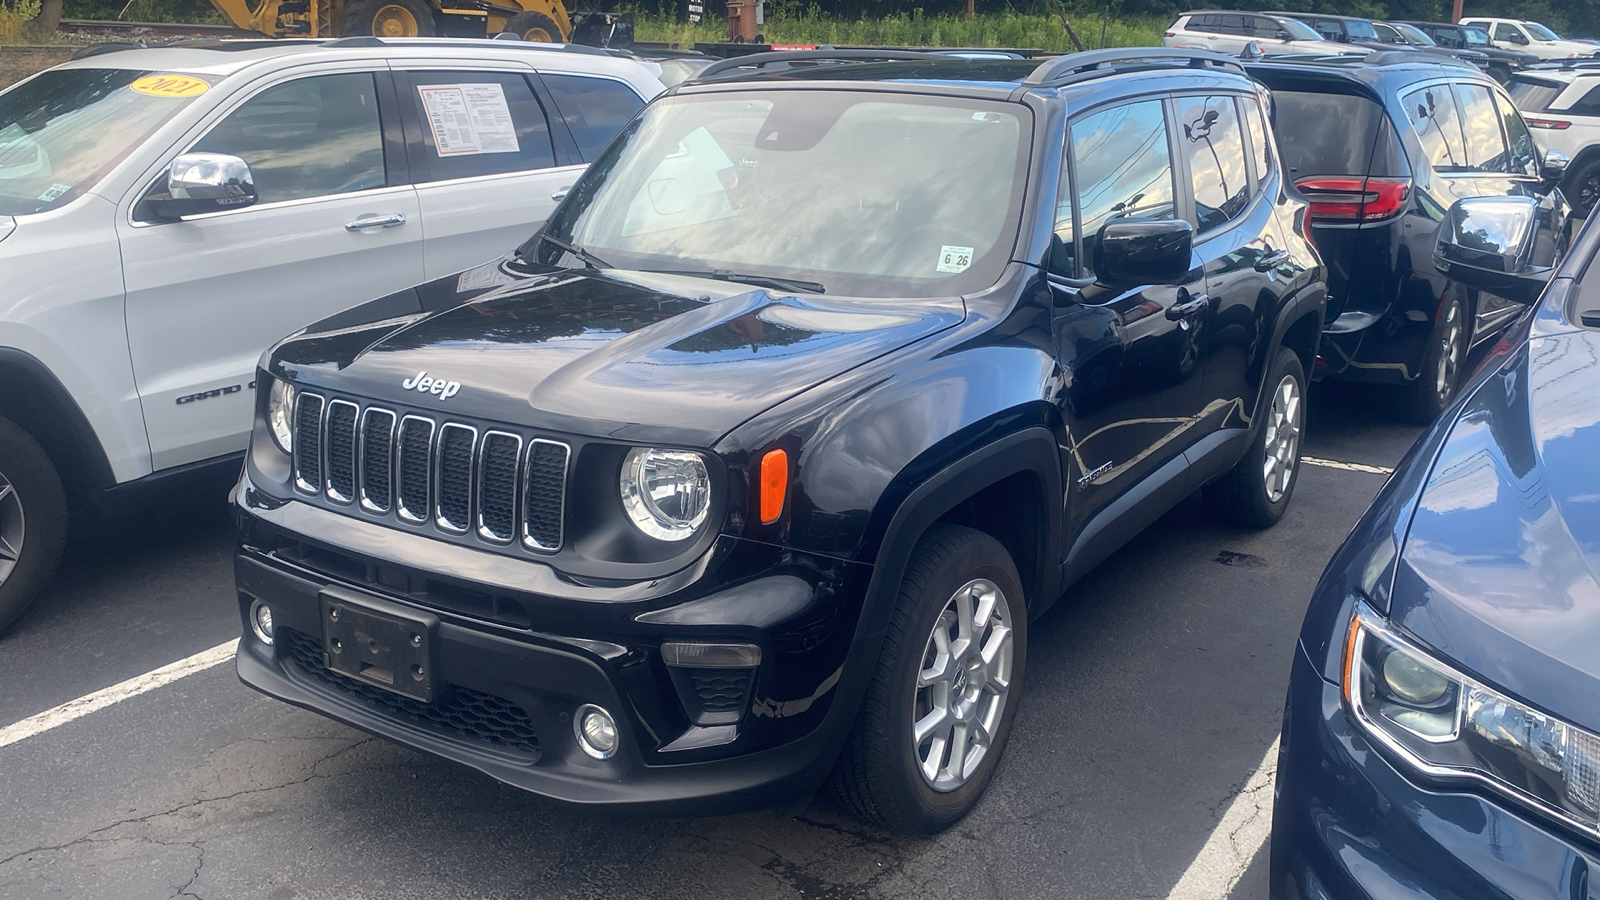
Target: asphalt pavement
(1153, 694)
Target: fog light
(261, 622)
(596, 730)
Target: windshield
(1298, 30)
(865, 194)
(63, 130)
(1360, 30)
(1476, 37)
(1414, 35)
(1539, 32)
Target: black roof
(1304, 15)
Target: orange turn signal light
(774, 484)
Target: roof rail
(755, 62)
(1061, 69)
(369, 42)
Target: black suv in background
(723, 483)
(1502, 63)
(1414, 136)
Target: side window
(476, 123)
(1432, 113)
(1480, 122)
(1588, 104)
(1524, 152)
(595, 109)
(1211, 138)
(1264, 28)
(1258, 137)
(1124, 168)
(1329, 29)
(1207, 24)
(1233, 25)
(1503, 31)
(311, 137)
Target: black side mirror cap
(1140, 251)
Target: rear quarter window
(1364, 143)
(1533, 95)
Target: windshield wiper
(782, 284)
(594, 262)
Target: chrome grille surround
(477, 482)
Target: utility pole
(1455, 11)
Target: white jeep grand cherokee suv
(1230, 31)
(1531, 37)
(165, 214)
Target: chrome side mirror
(1554, 165)
(1488, 243)
(205, 182)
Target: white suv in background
(167, 213)
(1230, 31)
(1561, 103)
(1531, 37)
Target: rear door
(486, 162)
(206, 295)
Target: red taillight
(1354, 199)
(1554, 124)
(1171, 34)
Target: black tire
(1421, 401)
(33, 513)
(528, 25)
(1501, 74)
(1582, 188)
(1249, 494)
(387, 18)
(878, 775)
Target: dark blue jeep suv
(832, 372)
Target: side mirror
(1518, 37)
(1554, 166)
(205, 182)
(1133, 251)
(1487, 243)
(1283, 35)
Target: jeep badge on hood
(423, 384)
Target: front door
(1133, 396)
(206, 295)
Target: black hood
(598, 354)
(1501, 567)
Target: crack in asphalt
(199, 863)
(94, 836)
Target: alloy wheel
(12, 528)
(1588, 193)
(1283, 438)
(1444, 377)
(963, 685)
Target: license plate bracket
(380, 643)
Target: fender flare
(53, 417)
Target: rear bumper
(1348, 824)
(506, 696)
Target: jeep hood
(642, 358)
(1500, 571)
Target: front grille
(461, 712)
(433, 473)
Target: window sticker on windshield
(469, 119)
(55, 190)
(170, 86)
(954, 259)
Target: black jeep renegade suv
(753, 465)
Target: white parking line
(1347, 466)
(133, 687)
(1239, 835)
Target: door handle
(388, 221)
(1196, 304)
(561, 195)
(1271, 260)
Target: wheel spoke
(937, 718)
(960, 736)
(999, 641)
(6, 490)
(8, 553)
(940, 670)
(934, 761)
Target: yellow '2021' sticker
(170, 86)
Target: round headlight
(280, 414)
(666, 493)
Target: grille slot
(416, 463)
(462, 713)
(377, 460)
(341, 456)
(544, 497)
(455, 477)
(308, 443)
(497, 486)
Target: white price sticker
(954, 260)
(468, 119)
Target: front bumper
(512, 667)
(1347, 823)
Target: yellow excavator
(532, 20)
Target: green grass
(1006, 29)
